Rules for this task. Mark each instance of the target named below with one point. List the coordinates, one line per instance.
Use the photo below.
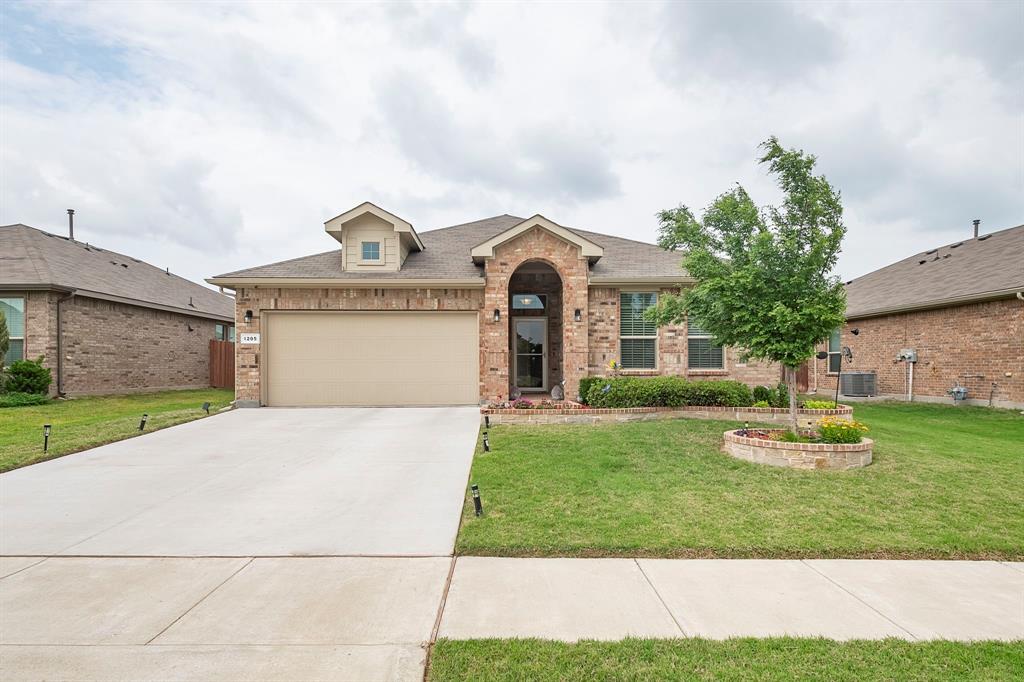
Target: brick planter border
(585, 415)
(834, 456)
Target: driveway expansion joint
(200, 601)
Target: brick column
(572, 268)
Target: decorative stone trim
(835, 456)
(572, 413)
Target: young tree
(5, 342)
(764, 281)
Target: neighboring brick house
(102, 321)
(464, 314)
(959, 307)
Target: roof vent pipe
(976, 224)
(71, 224)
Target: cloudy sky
(209, 137)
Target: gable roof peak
(485, 249)
(334, 226)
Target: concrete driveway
(268, 482)
(237, 547)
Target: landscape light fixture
(478, 507)
(206, 408)
(142, 422)
(46, 437)
(578, 315)
(497, 315)
(487, 443)
(248, 316)
(487, 421)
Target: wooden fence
(222, 364)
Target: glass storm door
(531, 353)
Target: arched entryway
(535, 329)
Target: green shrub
(790, 437)
(781, 398)
(761, 403)
(23, 399)
(819, 405)
(763, 394)
(585, 384)
(28, 376)
(622, 392)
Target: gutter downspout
(60, 344)
(910, 385)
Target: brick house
(102, 321)
(460, 315)
(958, 307)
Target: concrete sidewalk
(119, 618)
(361, 618)
(573, 599)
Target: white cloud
(212, 137)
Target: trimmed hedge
(585, 385)
(621, 392)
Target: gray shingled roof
(447, 256)
(969, 270)
(31, 258)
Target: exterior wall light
(578, 315)
(248, 316)
(497, 315)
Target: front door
(531, 339)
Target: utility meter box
(907, 354)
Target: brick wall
(40, 328)
(117, 348)
(572, 268)
(974, 344)
(672, 347)
(247, 357)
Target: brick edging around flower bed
(799, 455)
(586, 415)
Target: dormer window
(371, 251)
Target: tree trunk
(791, 385)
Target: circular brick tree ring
(834, 456)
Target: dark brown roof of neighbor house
(447, 256)
(989, 267)
(33, 259)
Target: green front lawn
(87, 422)
(945, 483)
(735, 659)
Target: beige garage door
(373, 358)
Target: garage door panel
(379, 358)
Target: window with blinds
(13, 310)
(702, 353)
(638, 338)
